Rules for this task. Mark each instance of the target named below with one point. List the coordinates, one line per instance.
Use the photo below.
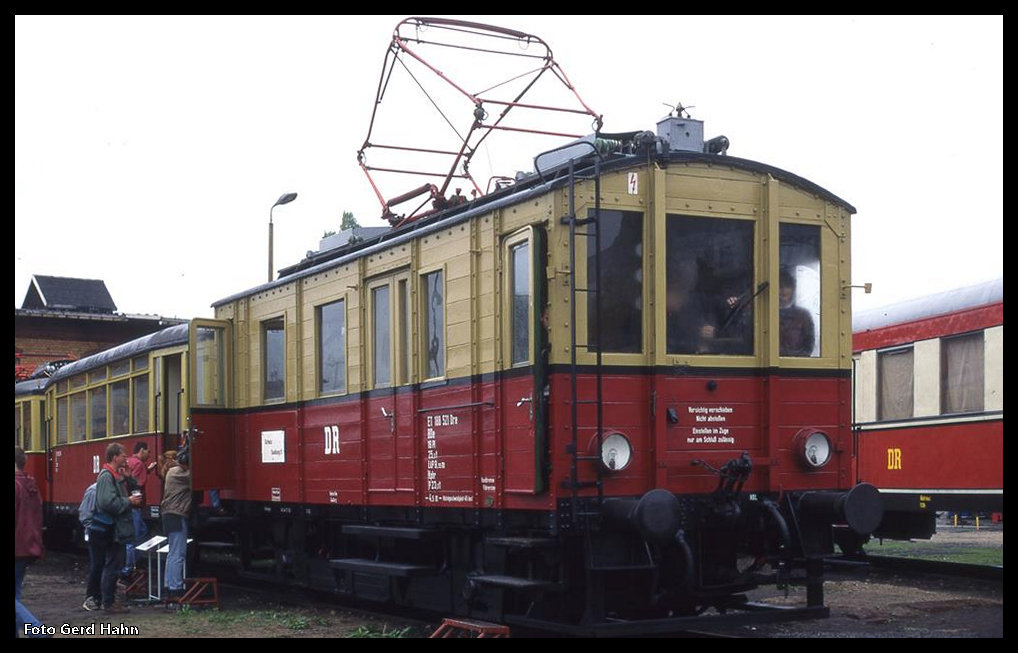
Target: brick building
(66, 319)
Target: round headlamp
(616, 452)
(814, 448)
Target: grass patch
(939, 551)
(372, 631)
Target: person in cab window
(796, 330)
(691, 328)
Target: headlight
(813, 447)
(616, 452)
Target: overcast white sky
(148, 150)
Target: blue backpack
(88, 517)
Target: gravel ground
(863, 603)
(880, 604)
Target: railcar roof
(533, 186)
(942, 303)
(174, 335)
(30, 387)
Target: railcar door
(389, 406)
(212, 439)
(524, 362)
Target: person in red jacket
(27, 538)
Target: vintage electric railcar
(929, 403)
(503, 408)
(609, 395)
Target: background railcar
(30, 429)
(133, 392)
(929, 402)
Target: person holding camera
(175, 509)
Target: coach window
(381, 341)
(61, 428)
(140, 383)
(961, 373)
(895, 370)
(799, 290)
(621, 263)
(120, 406)
(433, 313)
(709, 285)
(332, 348)
(78, 417)
(97, 412)
(273, 360)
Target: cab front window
(709, 286)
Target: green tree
(348, 222)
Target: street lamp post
(286, 198)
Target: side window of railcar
(961, 373)
(799, 290)
(78, 415)
(403, 318)
(273, 360)
(709, 285)
(97, 401)
(434, 324)
(621, 263)
(210, 360)
(521, 302)
(381, 345)
(120, 398)
(332, 347)
(19, 433)
(120, 405)
(61, 429)
(895, 380)
(140, 381)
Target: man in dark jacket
(27, 537)
(113, 504)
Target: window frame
(880, 357)
(423, 314)
(945, 388)
(524, 236)
(265, 326)
(320, 344)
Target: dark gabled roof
(66, 294)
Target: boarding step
(514, 582)
(221, 546)
(520, 542)
(381, 567)
(463, 628)
(136, 584)
(199, 591)
(394, 532)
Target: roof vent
(683, 134)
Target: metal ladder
(593, 290)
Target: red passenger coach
(133, 393)
(29, 428)
(929, 406)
